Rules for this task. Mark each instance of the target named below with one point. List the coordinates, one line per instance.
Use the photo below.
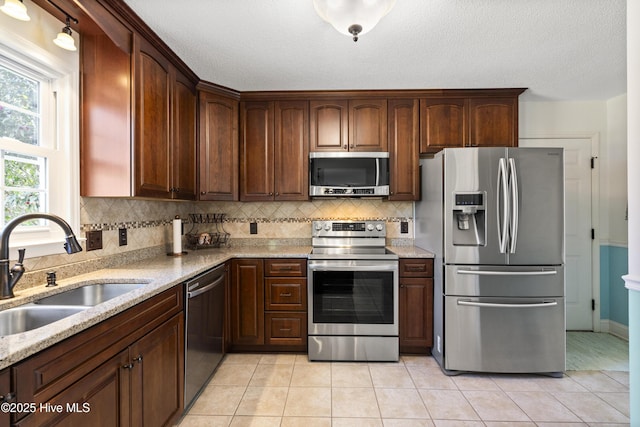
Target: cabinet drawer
(416, 267)
(285, 267)
(286, 328)
(285, 294)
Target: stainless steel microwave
(348, 174)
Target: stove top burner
(350, 240)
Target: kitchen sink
(89, 295)
(30, 316)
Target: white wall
(616, 155)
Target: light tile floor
(288, 390)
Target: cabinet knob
(202, 193)
(128, 366)
(138, 359)
(345, 146)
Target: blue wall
(614, 297)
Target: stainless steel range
(353, 293)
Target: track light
(64, 39)
(15, 9)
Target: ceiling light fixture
(353, 17)
(15, 9)
(64, 39)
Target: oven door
(353, 297)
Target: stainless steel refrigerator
(494, 217)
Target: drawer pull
(285, 329)
(285, 294)
(8, 398)
(415, 268)
(284, 268)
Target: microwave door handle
(377, 172)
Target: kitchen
(147, 221)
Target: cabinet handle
(202, 193)
(285, 294)
(8, 398)
(128, 366)
(285, 329)
(415, 269)
(284, 268)
(138, 359)
(345, 146)
(277, 193)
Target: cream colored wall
(616, 154)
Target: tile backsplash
(148, 224)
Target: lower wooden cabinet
(416, 305)
(269, 304)
(125, 371)
(6, 395)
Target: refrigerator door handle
(504, 198)
(507, 273)
(502, 305)
(513, 184)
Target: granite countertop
(157, 274)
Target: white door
(578, 224)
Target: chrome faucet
(9, 278)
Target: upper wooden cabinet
(165, 127)
(493, 122)
(349, 125)
(218, 147)
(274, 150)
(138, 119)
(469, 121)
(404, 132)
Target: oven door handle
(380, 267)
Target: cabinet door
(183, 159)
(256, 151)
(101, 398)
(218, 147)
(416, 315)
(291, 150)
(368, 125)
(493, 122)
(329, 128)
(153, 130)
(6, 395)
(404, 131)
(444, 124)
(247, 301)
(157, 375)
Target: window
(39, 169)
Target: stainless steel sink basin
(90, 295)
(30, 316)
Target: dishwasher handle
(198, 291)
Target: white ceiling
(559, 49)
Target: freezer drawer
(514, 335)
(498, 281)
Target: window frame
(26, 55)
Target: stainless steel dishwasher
(205, 295)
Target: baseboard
(614, 328)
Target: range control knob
(379, 227)
(318, 226)
(327, 227)
(370, 227)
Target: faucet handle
(21, 253)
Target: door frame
(594, 139)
